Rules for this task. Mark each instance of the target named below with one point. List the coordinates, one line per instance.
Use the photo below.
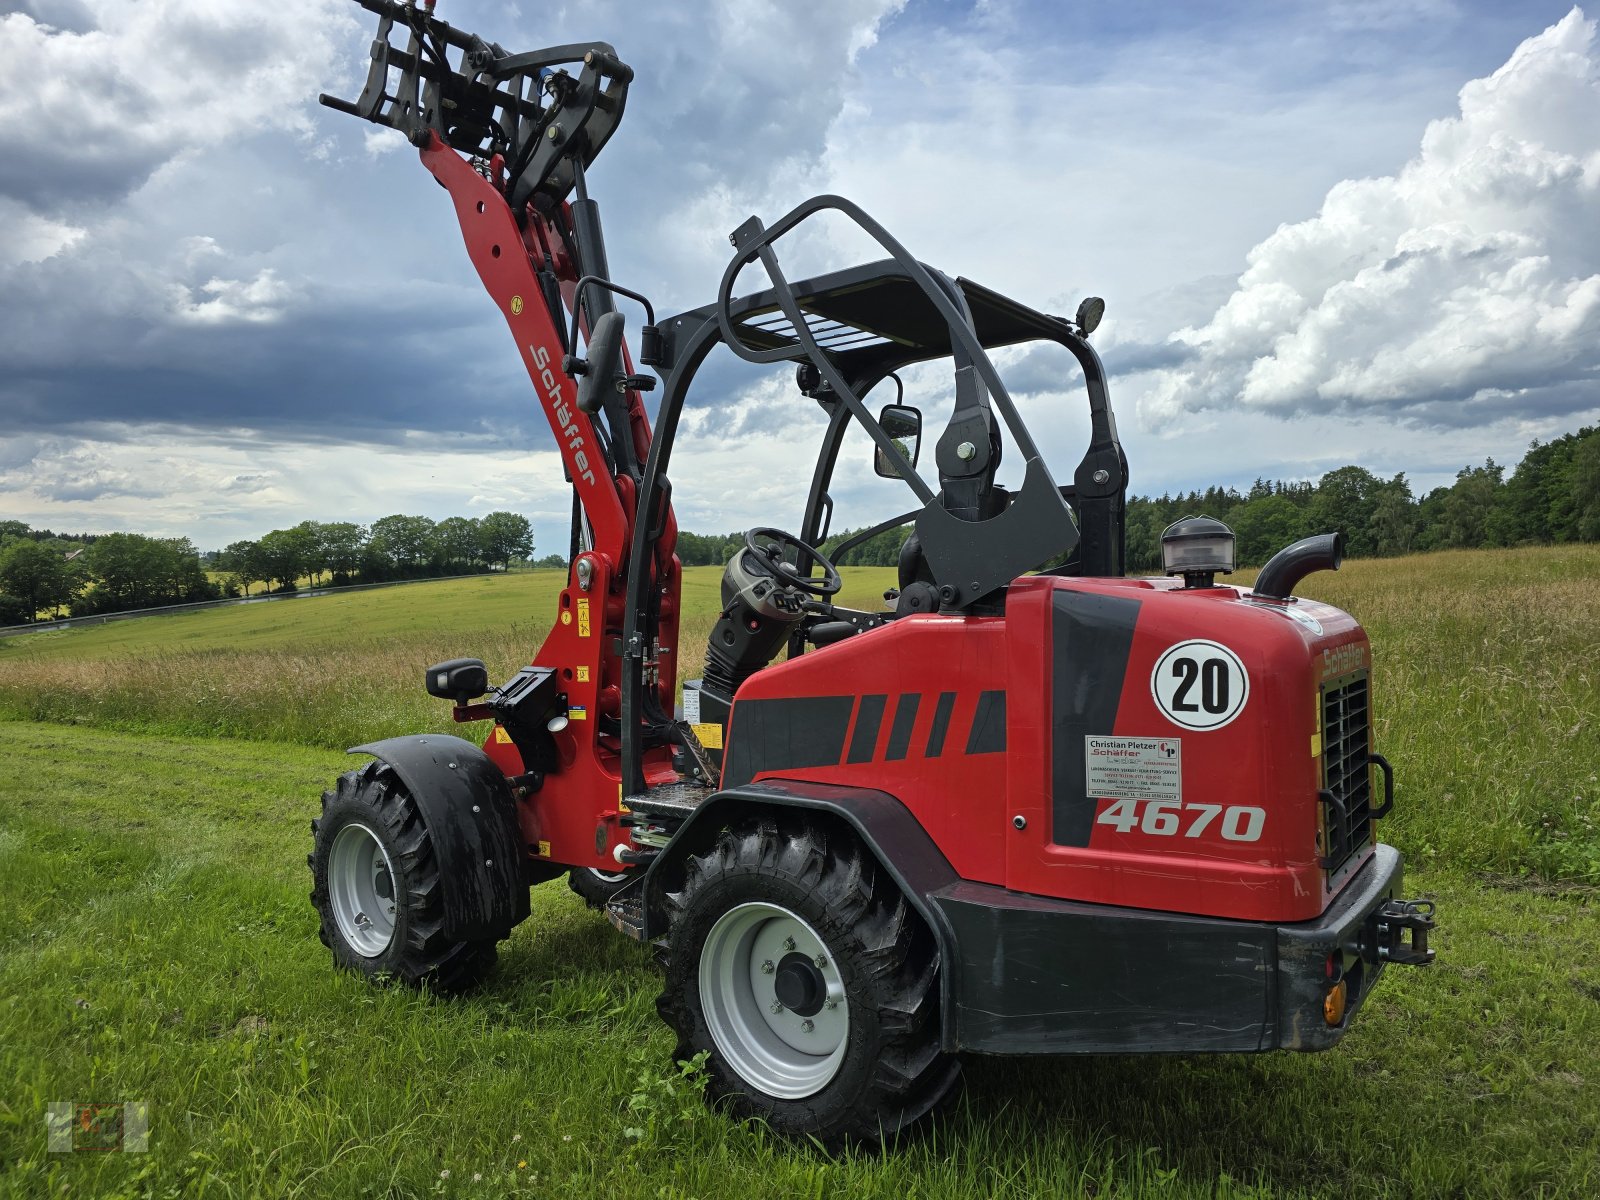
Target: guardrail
(165, 610)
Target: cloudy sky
(1365, 231)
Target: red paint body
(969, 802)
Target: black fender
(886, 827)
(471, 818)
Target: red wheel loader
(1030, 806)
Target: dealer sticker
(1130, 768)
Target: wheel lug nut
(788, 943)
(821, 961)
(767, 967)
(776, 1008)
(807, 1025)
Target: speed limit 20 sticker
(1200, 685)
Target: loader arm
(510, 137)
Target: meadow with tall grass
(159, 776)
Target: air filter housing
(1197, 548)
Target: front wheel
(596, 886)
(813, 986)
(376, 886)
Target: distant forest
(1552, 496)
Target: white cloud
(226, 301)
(1464, 287)
(103, 106)
(30, 238)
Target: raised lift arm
(510, 137)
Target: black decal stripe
(1091, 637)
(905, 719)
(988, 734)
(941, 723)
(783, 735)
(865, 739)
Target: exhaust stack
(1289, 566)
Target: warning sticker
(710, 736)
(691, 705)
(1126, 768)
(583, 618)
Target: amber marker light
(1334, 1002)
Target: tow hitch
(1383, 938)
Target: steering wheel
(828, 585)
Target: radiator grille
(1346, 775)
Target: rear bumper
(1033, 975)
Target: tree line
(395, 547)
(82, 574)
(1552, 496)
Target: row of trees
(42, 572)
(394, 547)
(113, 573)
(1552, 496)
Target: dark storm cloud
(222, 278)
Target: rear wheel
(813, 986)
(375, 884)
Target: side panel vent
(1346, 774)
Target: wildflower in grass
(566, 1137)
(445, 1174)
(516, 1137)
(522, 1164)
(477, 1177)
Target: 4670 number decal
(1170, 818)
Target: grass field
(158, 779)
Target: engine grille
(1346, 775)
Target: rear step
(626, 912)
(669, 799)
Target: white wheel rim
(786, 1053)
(361, 890)
(607, 877)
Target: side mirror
(605, 362)
(460, 679)
(902, 424)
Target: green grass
(518, 605)
(159, 945)
(330, 671)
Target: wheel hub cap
(774, 1000)
(361, 890)
(800, 986)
